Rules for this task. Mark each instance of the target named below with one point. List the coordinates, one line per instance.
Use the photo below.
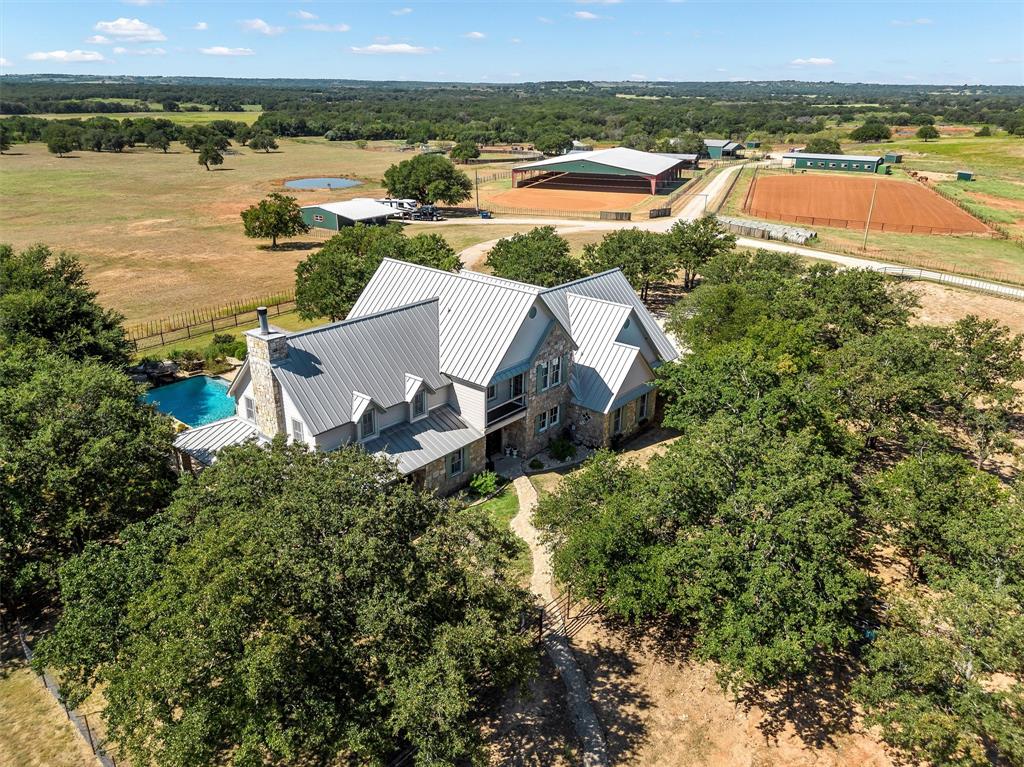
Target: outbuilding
(607, 170)
(753, 144)
(717, 148)
(336, 215)
(965, 175)
(853, 163)
(893, 157)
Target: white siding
(470, 402)
(291, 413)
(634, 336)
(335, 438)
(527, 337)
(638, 375)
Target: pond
(326, 182)
(195, 401)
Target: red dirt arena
(843, 201)
(544, 198)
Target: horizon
(922, 44)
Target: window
(549, 419)
(419, 404)
(367, 424)
(541, 422)
(831, 165)
(318, 218)
(844, 165)
(641, 407)
(555, 376)
(542, 376)
(298, 433)
(492, 392)
(554, 415)
(516, 386)
(856, 165)
(250, 409)
(532, 313)
(456, 462)
(617, 421)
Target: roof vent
(261, 313)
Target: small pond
(195, 401)
(322, 183)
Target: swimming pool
(195, 401)
(326, 182)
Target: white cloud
(98, 40)
(544, 20)
(141, 2)
(910, 22)
(200, 26)
(220, 50)
(515, 40)
(1006, 60)
(638, 77)
(327, 27)
(259, 25)
(66, 56)
(304, 15)
(813, 61)
(6, 62)
(598, 2)
(399, 48)
(401, 11)
(474, 35)
(140, 51)
(585, 15)
(129, 31)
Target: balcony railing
(506, 409)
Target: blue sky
(938, 42)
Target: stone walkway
(556, 644)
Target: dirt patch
(539, 198)
(661, 709)
(941, 305)
(839, 201)
(1000, 203)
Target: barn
(718, 148)
(613, 170)
(853, 163)
(336, 215)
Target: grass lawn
(157, 233)
(247, 116)
(500, 510)
(999, 157)
(287, 321)
(33, 729)
(461, 236)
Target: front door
(494, 443)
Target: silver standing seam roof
(623, 158)
(203, 442)
(357, 209)
(369, 355)
(414, 445)
(815, 156)
(477, 319)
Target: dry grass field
(157, 232)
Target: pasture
(159, 234)
(247, 116)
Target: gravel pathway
(556, 644)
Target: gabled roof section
(203, 442)
(369, 356)
(358, 209)
(477, 318)
(611, 286)
(623, 158)
(414, 445)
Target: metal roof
(813, 156)
(414, 445)
(644, 163)
(331, 368)
(358, 209)
(601, 363)
(614, 287)
(724, 143)
(203, 442)
(679, 156)
(477, 319)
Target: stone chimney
(266, 346)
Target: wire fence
(851, 223)
(955, 280)
(200, 322)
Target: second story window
(516, 387)
(555, 374)
(492, 392)
(419, 404)
(298, 432)
(367, 424)
(641, 407)
(250, 409)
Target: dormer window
(419, 404)
(367, 424)
(250, 409)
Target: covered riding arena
(607, 170)
(844, 201)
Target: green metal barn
(336, 215)
(852, 163)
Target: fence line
(995, 226)
(914, 273)
(850, 223)
(212, 325)
(79, 720)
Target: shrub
(536, 464)
(484, 483)
(187, 359)
(562, 449)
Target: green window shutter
(536, 424)
(538, 374)
(565, 368)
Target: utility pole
(476, 176)
(871, 209)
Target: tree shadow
(292, 245)
(662, 296)
(13, 154)
(219, 170)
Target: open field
(995, 156)
(158, 233)
(845, 201)
(182, 118)
(33, 729)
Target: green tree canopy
(5, 138)
(294, 607)
(61, 138)
(262, 142)
(823, 146)
(691, 244)
(210, 155)
(275, 216)
(330, 280)
(81, 456)
(643, 257)
(157, 140)
(428, 178)
(539, 257)
(46, 298)
(872, 131)
(927, 133)
(465, 150)
(553, 143)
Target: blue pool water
(322, 183)
(194, 401)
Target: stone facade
(557, 344)
(595, 429)
(267, 396)
(435, 474)
(589, 427)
